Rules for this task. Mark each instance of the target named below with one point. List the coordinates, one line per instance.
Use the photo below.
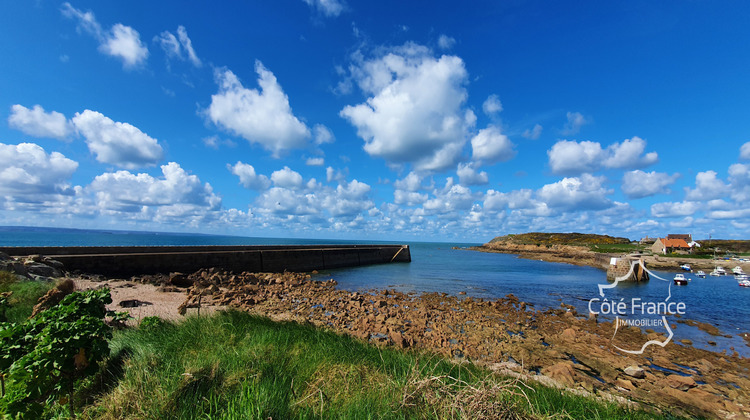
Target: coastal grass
(236, 365)
(25, 294)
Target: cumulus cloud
(287, 178)
(450, 199)
(572, 157)
(491, 145)
(117, 143)
(259, 116)
(672, 209)
(329, 8)
(639, 184)
(28, 172)
(576, 120)
(707, 187)
(415, 112)
(492, 105)
(576, 193)
(745, 151)
(174, 46)
(175, 196)
(533, 133)
(469, 175)
(322, 134)
(39, 123)
(445, 42)
(248, 177)
(120, 41)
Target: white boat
(680, 280)
(738, 270)
(701, 274)
(744, 283)
(720, 271)
(716, 273)
(686, 267)
(741, 277)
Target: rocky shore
(558, 347)
(580, 255)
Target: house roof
(674, 243)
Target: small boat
(741, 277)
(686, 267)
(680, 280)
(701, 274)
(744, 283)
(720, 271)
(715, 273)
(738, 270)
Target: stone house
(666, 246)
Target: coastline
(578, 255)
(557, 347)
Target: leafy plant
(46, 355)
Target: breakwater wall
(119, 261)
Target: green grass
(234, 365)
(617, 248)
(24, 297)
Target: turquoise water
(436, 267)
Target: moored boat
(686, 267)
(701, 274)
(744, 283)
(738, 270)
(680, 280)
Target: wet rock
(635, 372)
(133, 303)
(679, 382)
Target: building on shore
(669, 246)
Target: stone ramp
(122, 261)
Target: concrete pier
(134, 260)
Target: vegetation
(580, 239)
(237, 365)
(21, 295)
(725, 246)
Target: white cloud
(707, 187)
(445, 42)
(628, 154)
(248, 177)
(492, 105)
(468, 175)
(259, 116)
(415, 113)
(173, 47)
(117, 143)
(639, 184)
(533, 133)
(576, 193)
(450, 199)
(176, 196)
(745, 151)
(287, 178)
(572, 157)
(322, 134)
(671, 209)
(739, 179)
(315, 161)
(576, 120)
(38, 123)
(491, 145)
(411, 182)
(334, 175)
(120, 41)
(330, 8)
(28, 172)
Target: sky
(388, 120)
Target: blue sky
(377, 120)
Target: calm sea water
(437, 267)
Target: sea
(448, 267)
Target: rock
(562, 372)
(635, 372)
(41, 269)
(686, 342)
(624, 383)
(569, 334)
(180, 280)
(679, 382)
(399, 340)
(132, 303)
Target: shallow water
(436, 267)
